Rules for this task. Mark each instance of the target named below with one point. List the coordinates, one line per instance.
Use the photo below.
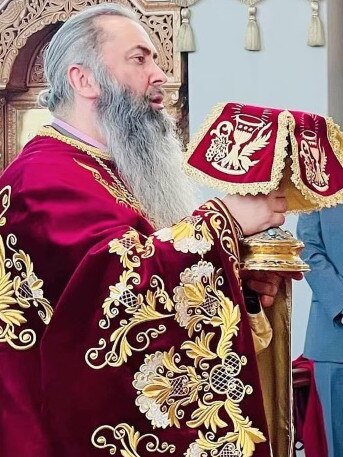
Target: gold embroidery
(117, 189)
(130, 439)
(189, 235)
(223, 227)
(165, 386)
(192, 233)
(5, 197)
(248, 188)
(52, 133)
(335, 137)
(197, 298)
(20, 289)
(124, 248)
(143, 310)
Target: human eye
(139, 59)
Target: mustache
(156, 92)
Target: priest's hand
(256, 213)
(267, 283)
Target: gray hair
(76, 42)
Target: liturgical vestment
(117, 338)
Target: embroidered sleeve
(21, 291)
(174, 313)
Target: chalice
(245, 149)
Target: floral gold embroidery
(141, 308)
(129, 439)
(5, 197)
(165, 386)
(20, 289)
(125, 247)
(189, 235)
(197, 299)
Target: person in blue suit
(322, 234)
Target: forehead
(122, 33)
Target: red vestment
(116, 339)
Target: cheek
(136, 80)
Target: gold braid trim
(237, 229)
(315, 201)
(51, 132)
(246, 188)
(117, 189)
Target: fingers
(266, 301)
(275, 209)
(276, 220)
(279, 205)
(296, 275)
(278, 193)
(267, 210)
(266, 284)
(264, 288)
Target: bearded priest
(123, 326)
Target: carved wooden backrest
(26, 27)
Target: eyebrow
(145, 50)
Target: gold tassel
(252, 37)
(185, 38)
(316, 35)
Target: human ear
(82, 81)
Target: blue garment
(322, 233)
(329, 383)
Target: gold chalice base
(272, 250)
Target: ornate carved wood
(26, 27)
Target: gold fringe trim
(240, 188)
(335, 137)
(51, 132)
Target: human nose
(158, 77)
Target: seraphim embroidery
(20, 288)
(204, 372)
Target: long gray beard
(147, 154)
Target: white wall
(286, 74)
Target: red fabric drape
(308, 412)
(148, 337)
